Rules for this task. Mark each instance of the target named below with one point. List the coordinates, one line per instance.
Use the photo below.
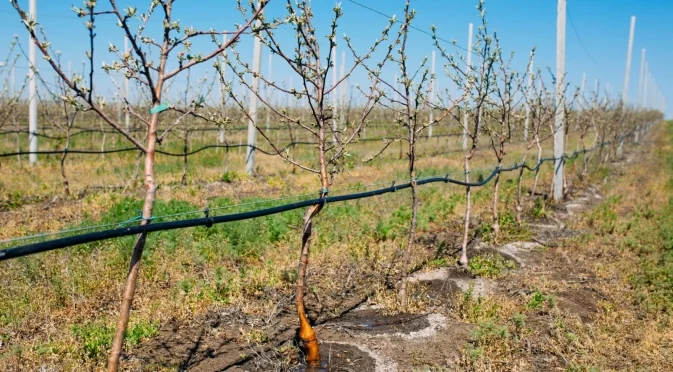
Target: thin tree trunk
(66, 185)
(226, 152)
(519, 204)
(406, 255)
(183, 181)
(136, 257)
(468, 201)
(102, 143)
(496, 188)
(537, 164)
(18, 135)
(306, 332)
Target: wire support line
(411, 26)
(579, 38)
(195, 151)
(84, 130)
(209, 221)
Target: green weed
(490, 265)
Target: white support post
(252, 122)
(432, 93)
(334, 95)
(18, 138)
(641, 77)
(625, 91)
(559, 127)
(268, 92)
(629, 53)
(596, 86)
(466, 122)
(641, 93)
(32, 105)
(646, 84)
(526, 124)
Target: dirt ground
(358, 334)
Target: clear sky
(597, 32)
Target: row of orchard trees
(496, 104)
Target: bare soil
(357, 339)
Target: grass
(490, 266)
(247, 264)
(625, 254)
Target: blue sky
(597, 32)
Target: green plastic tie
(160, 108)
(139, 217)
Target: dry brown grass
(186, 273)
(610, 334)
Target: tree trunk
(496, 187)
(519, 204)
(537, 165)
(66, 185)
(102, 142)
(412, 227)
(468, 200)
(306, 332)
(183, 181)
(136, 257)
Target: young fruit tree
(10, 96)
(541, 102)
(407, 98)
(477, 83)
(503, 120)
(154, 58)
(312, 65)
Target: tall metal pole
(559, 128)
(432, 93)
(641, 77)
(596, 82)
(469, 68)
(252, 122)
(268, 94)
(629, 53)
(641, 92)
(627, 77)
(32, 105)
(646, 83)
(526, 124)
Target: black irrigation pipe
(208, 221)
(182, 154)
